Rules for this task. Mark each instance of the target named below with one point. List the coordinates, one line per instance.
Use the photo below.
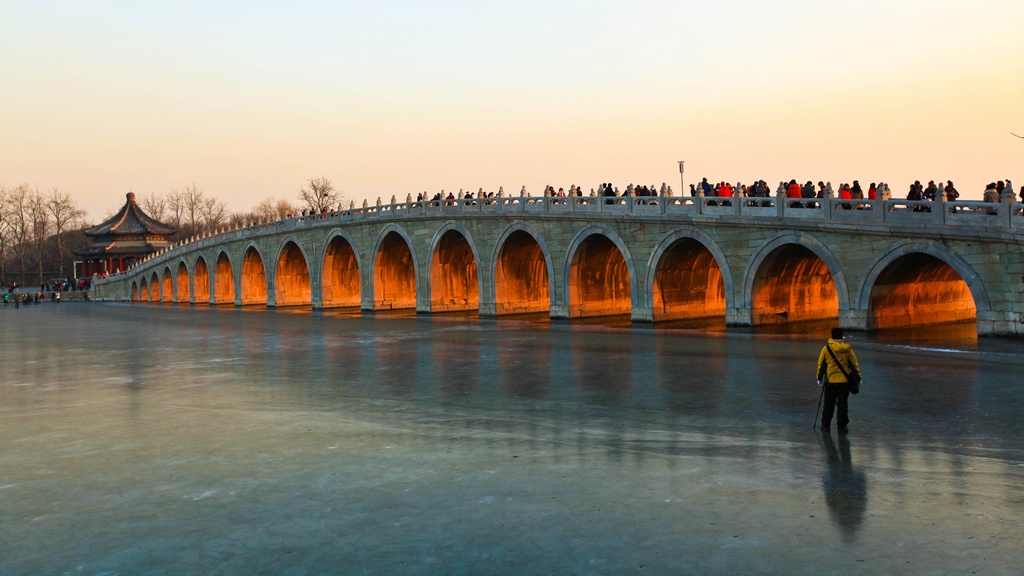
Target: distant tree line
(40, 230)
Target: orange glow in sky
(391, 98)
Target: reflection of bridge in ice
(872, 264)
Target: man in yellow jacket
(837, 387)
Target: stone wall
(649, 261)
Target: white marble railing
(982, 216)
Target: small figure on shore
(839, 374)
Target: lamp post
(682, 187)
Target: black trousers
(837, 398)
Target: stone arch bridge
(868, 264)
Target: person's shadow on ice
(846, 488)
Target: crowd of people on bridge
(996, 191)
(450, 199)
(605, 190)
(797, 195)
(804, 195)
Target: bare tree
(284, 208)
(176, 211)
(39, 215)
(20, 224)
(64, 213)
(192, 201)
(154, 205)
(214, 213)
(318, 194)
(272, 209)
(238, 220)
(5, 233)
(264, 211)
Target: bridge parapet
(968, 216)
(760, 259)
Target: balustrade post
(700, 202)
(940, 206)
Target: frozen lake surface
(178, 440)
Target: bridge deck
(761, 260)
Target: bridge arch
(454, 279)
(134, 293)
(292, 286)
(154, 288)
(252, 283)
(184, 291)
(223, 279)
(201, 280)
(599, 275)
(340, 272)
(689, 276)
(794, 277)
(143, 290)
(394, 270)
(920, 283)
(167, 286)
(523, 271)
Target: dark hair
(837, 333)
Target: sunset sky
(249, 99)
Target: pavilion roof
(130, 220)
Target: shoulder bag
(851, 377)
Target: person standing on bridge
(839, 374)
(807, 191)
(793, 191)
(950, 191)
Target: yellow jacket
(844, 352)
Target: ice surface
(173, 440)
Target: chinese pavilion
(122, 240)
